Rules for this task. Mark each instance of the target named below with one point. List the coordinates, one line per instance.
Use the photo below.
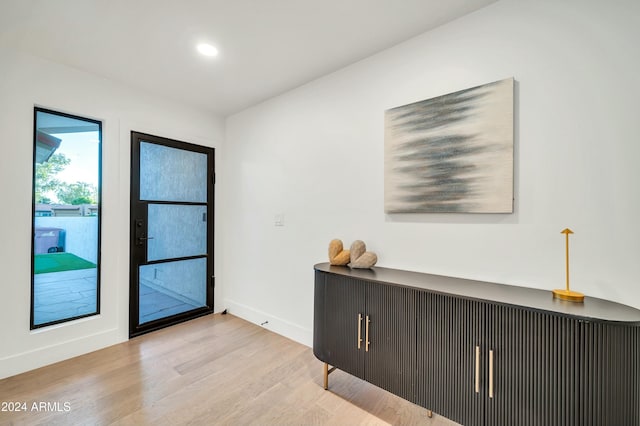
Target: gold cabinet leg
(327, 371)
(429, 413)
(326, 376)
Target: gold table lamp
(567, 294)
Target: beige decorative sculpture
(360, 257)
(338, 256)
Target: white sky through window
(82, 149)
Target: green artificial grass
(58, 262)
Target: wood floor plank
(215, 370)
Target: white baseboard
(30, 360)
(277, 325)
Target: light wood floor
(217, 369)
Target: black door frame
(137, 253)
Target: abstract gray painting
(451, 154)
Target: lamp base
(572, 296)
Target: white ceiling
(266, 46)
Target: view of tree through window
(66, 222)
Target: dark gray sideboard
(480, 353)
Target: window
(65, 279)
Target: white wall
(80, 234)
(316, 155)
(27, 81)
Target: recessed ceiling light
(207, 49)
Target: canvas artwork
(451, 154)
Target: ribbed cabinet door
(535, 363)
(390, 362)
(319, 314)
(449, 330)
(344, 300)
(609, 374)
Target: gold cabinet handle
(366, 334)
(490, 374)
(359, 330)
(477, 369)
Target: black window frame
(99, 123)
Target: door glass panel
(171, 174)
(176, 231)
(171, 288)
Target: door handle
(359, 330)
(140, 233)
(366, 334)
(477, 369)
(141, 240)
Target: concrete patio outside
(69, 294)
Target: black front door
(171, 257)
